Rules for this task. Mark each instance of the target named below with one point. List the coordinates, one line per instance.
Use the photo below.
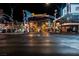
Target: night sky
(38, 8)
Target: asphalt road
(39, 44)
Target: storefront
(69, 23)
(70, 27)
(57, 25)
(40, 23)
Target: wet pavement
(36, 44)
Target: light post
(55, 18)
(24, 17)
(55, 13)
(12, 19)
(47, 4)
(49, 21)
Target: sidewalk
(67, 33)
(42, 33)
(11, 33)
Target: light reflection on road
(39, 39)
(39, 44)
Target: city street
(39, 44)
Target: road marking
(76, 46)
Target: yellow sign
(33, 14)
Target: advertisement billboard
(74, 8)
(71, 8)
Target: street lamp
(55, 13)
(55, 18)
(47, 4)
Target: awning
(40, 17)
(70, 24)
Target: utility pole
(55, 18)
(55, 13)
(24, 17)
(12, 13)
(12, 19)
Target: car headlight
(31, 35)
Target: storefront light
(46, 23)
(31, 35)
(31, 23)
(58, 24)
(25, 24)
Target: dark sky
(38, 8)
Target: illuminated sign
(33, 14)
(41, 15)
(73, 8)
(26, 15)
(77, 8)
(65, 11)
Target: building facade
(69, 20)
